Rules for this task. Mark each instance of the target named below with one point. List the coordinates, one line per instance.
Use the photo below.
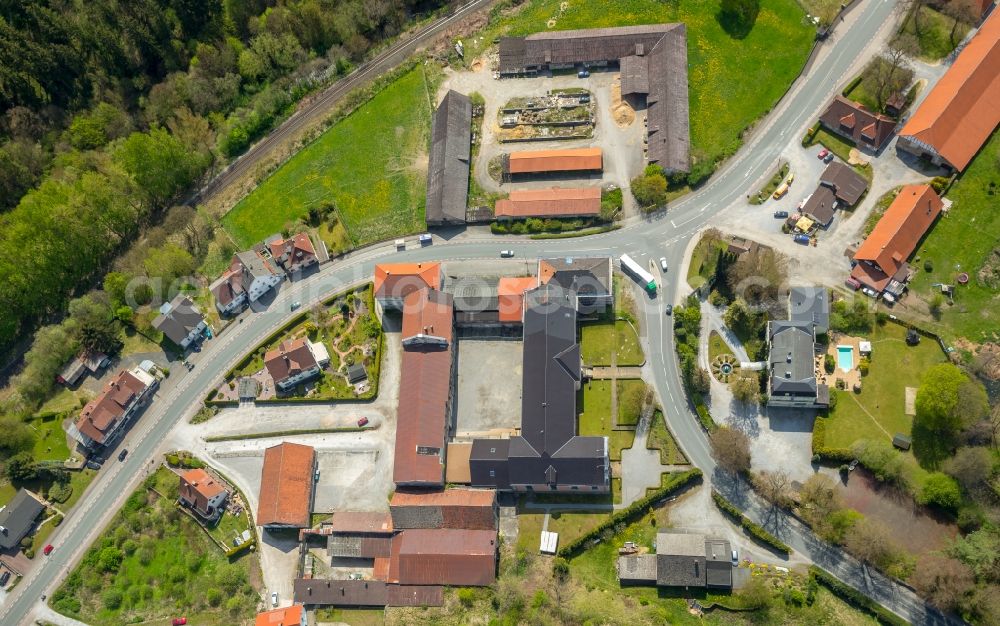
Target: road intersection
(666, 234)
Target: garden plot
(559, 114)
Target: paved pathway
(641, 466)
(611, 372)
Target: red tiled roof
(552, 202)
(103, 412)
(288, 616)
(428, 312)
(398, 280)
(510, 296)
(286, 486)
(898, 232)
(469, 509)
(361, 522)
(198, 486)
(228, 287)
(850, 118)
(870, 276)
(414, 595)
(290, 358)
(961, 111)
(295, 251)
(444, 557)
(555, 160)
(424, 393)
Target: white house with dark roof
(248, 278)
(180, 320)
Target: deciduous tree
(948, 400)
(946, 582)
(971, 467)
(731, 449)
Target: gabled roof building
(249, 277)
(791, 366)
(653, 63)
(294, 615)
(295, 361)
(960, 112)
(286, 486)
(880, 261)
(682, 559)
(448, 168)
(18, 518)
(553, 161)
(425, 389)
(854, 122)
(180, 320)
(103, 417)
(470, 509)
(201, 491)
(550, 203)
(395, 281)
(589, 278)
(293, 254)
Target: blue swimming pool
(845, 358)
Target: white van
(401, 244)
(426, 239)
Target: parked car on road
(274, 598)
(583, 74)
(47, 550)
(828, 158)
(803, 239)
(123, 454)
(868, 291)
(669, 309)
(736, 558)
(781, 215)
(296, 305)
(506, 254)
(362, 422)
(663, 263)
(823, 154)
(780, 192)
(426, 239)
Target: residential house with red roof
(393, 282)
(249, 277)
(121, 399)
(854, 122)
(471, 509)
(880, 261)
(961, 111)
(294, 254)
(295, 361)
(286, 486)
(203, 493)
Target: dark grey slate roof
(583, 275)
(448, 169)
(18, 517)
(489, 455)
(680, 559)
(718, 563)
(662, 74)
(821, 205)
(847, 184)
(791, 358)
(810, 304)
(473, 294)
(356, 373)
(636, 568)
(180, 320)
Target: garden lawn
(371, 165)
(704, 261)
(934, 35)
(717, 346)
(961, 242)
(661, 439)
(894, 367)
(50, 438)
(834, 144)
(594, 404)
(599, 339)
(153, 563)
(631, 393)
(732, 82)
(354, 617)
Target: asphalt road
(663, 235)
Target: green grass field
(704, 260)
(631, 393)
(934, 35)
(961, 241)
(732, 82)
(717, 346)
(661, 439)
(598, 341)
(894, 367)
(371, 165)
(594, 404)
(152, 563)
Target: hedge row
(282, 433)
(855, 597)
(819, 449)
(752, 528)
(703, 415)
(578, 233)
(632, 511)
(851, 86)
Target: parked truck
(636, 271)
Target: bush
(58, 520)
(60, 492)
(851, 86)
(705, 417)
(940, 490)
(700, 172)
(829, 363)
(928, 266)
(466, 597)
(752, 528)
(863, 367)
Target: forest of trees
(111, 112)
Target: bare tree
(731, 449)
(745, 389)
(971, 467)
(890, 72)
(944, 581)
(912, 8)
(961, 12)
(758, 276)
(871, 542)
(772, 486)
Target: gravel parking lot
(489, 386)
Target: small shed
(901, 441)
(865, 348)
(356, 373)
(549, 543)
(72, 372)
(246, 388)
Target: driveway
(641, 467)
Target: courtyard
(488, 396)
